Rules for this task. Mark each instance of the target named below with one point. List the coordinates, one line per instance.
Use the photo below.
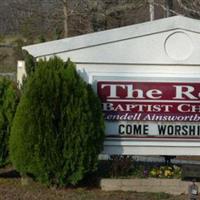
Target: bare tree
(169, 7)
(65, 18)
(78, 9)
(190, 7)
(65, 21)
(151, 10)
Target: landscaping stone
(170, 186)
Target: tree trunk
(151, 10)
(65, 22)
(169, 7)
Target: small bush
(9, 97)
(58, 130)
(121, 165)
(140, 170)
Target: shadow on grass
(9, 173)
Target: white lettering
(130, 92)
(108, 107)
(113, 89)
(184, 90)
(154, 94)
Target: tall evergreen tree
(30, 63)
(58, 130)
(9, 97)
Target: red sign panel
(150, 101)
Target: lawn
(12, 189)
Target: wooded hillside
(47, 17)
(25, 22)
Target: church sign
(148, 79)
(150, 101)
(150, 109)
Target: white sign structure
(148, 79)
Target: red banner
(150, 101)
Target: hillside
(25, 22)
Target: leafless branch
(194, 6)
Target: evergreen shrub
(9, 97)
(30, 63)
(58, 130)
